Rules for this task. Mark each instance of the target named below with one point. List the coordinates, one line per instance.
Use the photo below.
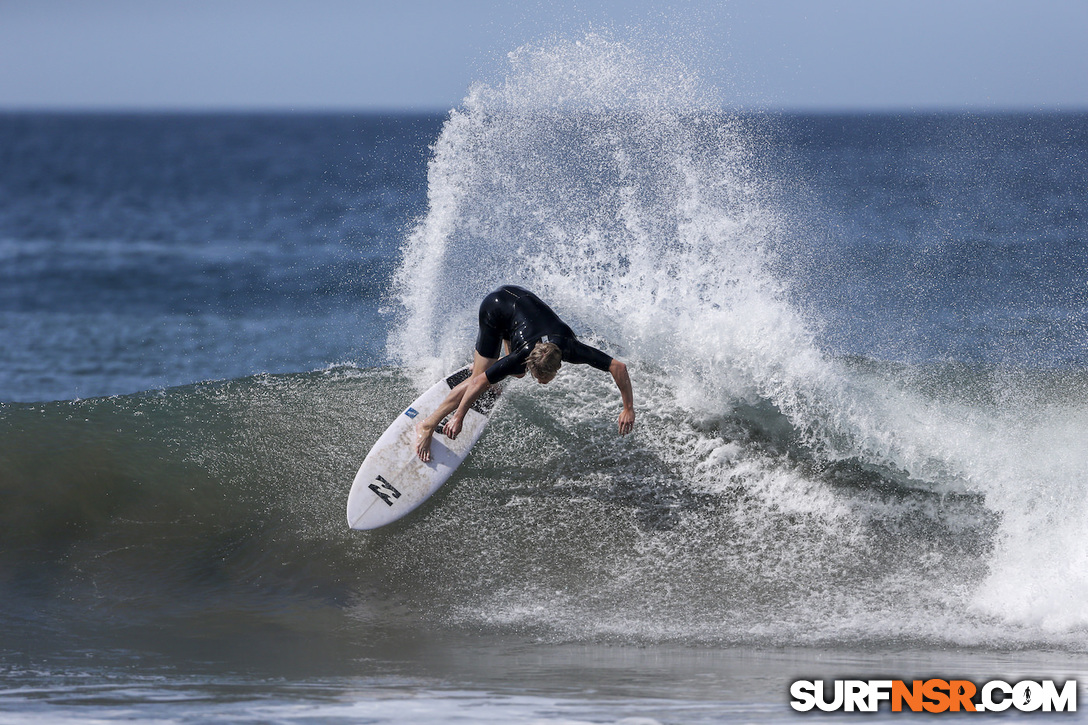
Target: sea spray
(605, 181)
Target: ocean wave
(772, 494)
(228, 497)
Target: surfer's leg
(425, 428)
(481, 363)
(487, 350)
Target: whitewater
(615, 194)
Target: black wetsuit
(516, 314)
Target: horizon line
(337, 109)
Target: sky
(422, 55)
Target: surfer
(537, 342)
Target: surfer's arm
(623, 382)
(581, 354)
(477, 386)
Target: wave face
(218, 509)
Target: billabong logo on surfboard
(385, 490)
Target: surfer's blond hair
(545, 360)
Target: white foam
(602, 180)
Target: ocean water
(860, 365)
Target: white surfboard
(392, 480)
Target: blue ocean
(859, 350)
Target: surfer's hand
(452, 427)
(627, 421)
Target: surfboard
(392, 481)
